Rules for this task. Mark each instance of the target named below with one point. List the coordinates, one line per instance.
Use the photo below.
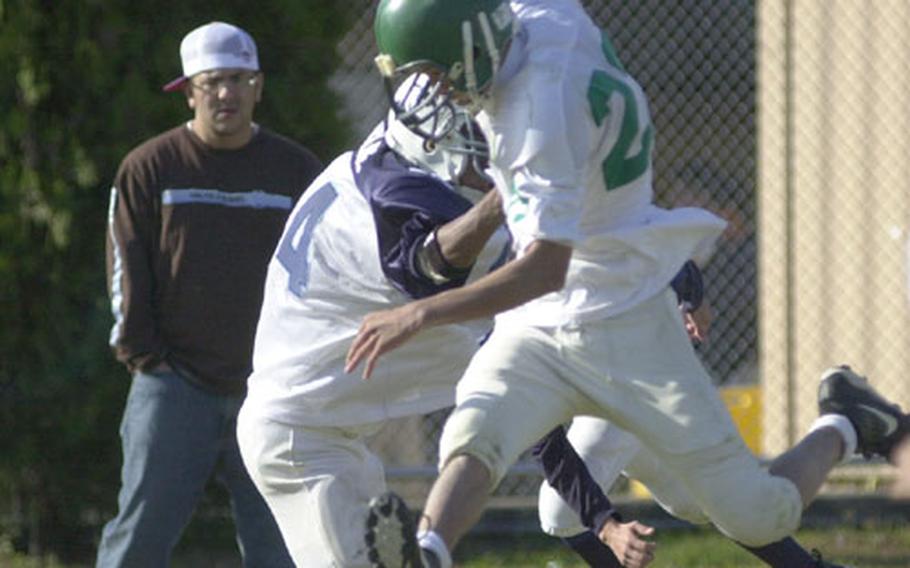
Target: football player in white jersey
(585, 324)
(377, 228)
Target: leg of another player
(853, 417)
(675, 498)
(901, 488)
(785, 553)
(454, 505)
(257, 531)
(808, 463)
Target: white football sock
(431, 541)
(846, 430)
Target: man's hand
(627, 541)
(698, 322)
(380, 333)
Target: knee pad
(756, 512)
(686, 510)
(756, 531)
(462, 436)
(769, 511)
(741, 498)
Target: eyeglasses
(213, 85)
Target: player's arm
(689, 286)
(690, 294)
(423, 231)
(567, 473)
(453, 247)
(615, 540)
(541, 270)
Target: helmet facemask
(422, 105)
(448, 155)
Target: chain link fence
(833, 108)
(698, 62)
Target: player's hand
(698, 322)
(629, 543)
(380, 333)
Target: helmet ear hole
(429, 146)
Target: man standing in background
(194, 217)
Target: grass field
(866, 547)
(871, 546)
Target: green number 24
(619, 168)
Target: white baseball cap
(215, 45)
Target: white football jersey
(327, 273)
(571, 142)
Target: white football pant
(639, 371)
(609, 451)
(318, 483)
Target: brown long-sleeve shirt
(190, 233)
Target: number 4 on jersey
(292, 250)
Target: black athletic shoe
(820, 562)
(391, 535)
(879, 424)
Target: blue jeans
(175, 437)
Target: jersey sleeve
(567, 473)
(130, 275)
(689, 286)
(547, 139)
(406, 210)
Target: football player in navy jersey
(390, 221)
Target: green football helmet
(460, 43)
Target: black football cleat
(879, 424)
(391, 535)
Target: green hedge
(79, 86)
